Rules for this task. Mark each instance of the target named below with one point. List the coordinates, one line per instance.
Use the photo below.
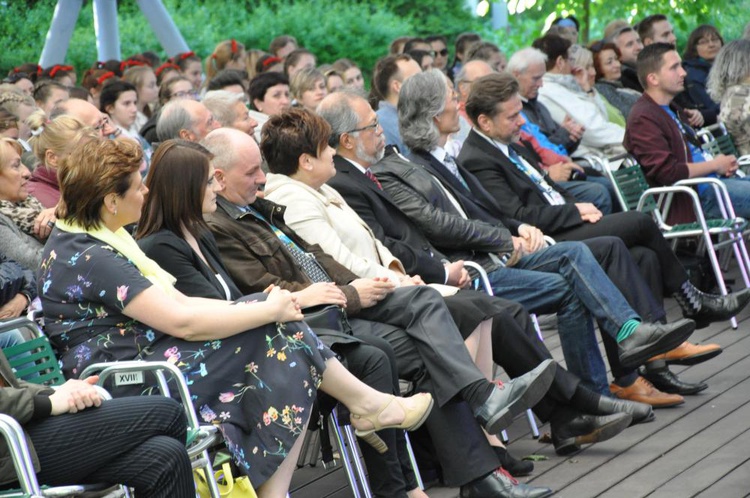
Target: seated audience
(489, 53)
(102, 192)
(20, 80)
(729, 83)
(298, 59)
(232, 80)
(112, 437)
(439, 44)
(563, 97)
(144, 80)
(629, 45)
(308, 88)
(389, 74)
(54, 142)
(656, 28)
(228, 54)
(185, 119)
(667, 147)
(608, 73)
(190, 67)
(229, 110)
(582, 67)
(351, 73)
(703, 45)
(269, 96)
(464, 41)
(48, 94)
(456, 213)
(283, 45)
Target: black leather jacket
(420, 196)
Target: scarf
(123, 242)
(23, 213)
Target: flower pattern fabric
(257, 386)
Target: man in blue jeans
(437, 194)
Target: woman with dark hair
(608, 72)
(269, 95)
(172, 233)
(253, 368)
(190, 67)
(703, 45)
(119, 100)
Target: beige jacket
(323, 217)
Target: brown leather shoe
(643, 391)
(688, 353)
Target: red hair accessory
(185, 55)
(234, 46)
(166, 65)
(58, 67)
(104, 77)
(131, 63)
(270, 61)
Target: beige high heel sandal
(414, 417)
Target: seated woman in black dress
(104, 300)
(171, 231)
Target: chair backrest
(630, 183)
(723, 144)
(34, 361)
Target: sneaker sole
(667, 343)
(533, 394)
(608, 431)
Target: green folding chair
(634, 193)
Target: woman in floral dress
(252, 368)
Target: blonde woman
(229, 54)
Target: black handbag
(330, 317)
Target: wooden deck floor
(699, 449)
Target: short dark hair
(94, 169)
(646, 26)
(569, 18)
(43, 89)
(691, 48)
(463, 41)
(409, 45)
(385, 69)
(482, 51)
(487, 92)
(176, 184)
(554, 46)
(227, 77)
(262, 82)
(112, 91)
(440, 38)
(287, 136)
(650, 60)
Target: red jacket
(43, 185)
(656, 142)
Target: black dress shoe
(568, 434)
(665, 380)
(500, 485)
(515, 467)
(641, 412)
(511, 398)
(650, 339)
(715, 308)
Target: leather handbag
(229, 486)
(331, 317)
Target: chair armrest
(483, 278)
(720, 189)
(657, 192)
(14, 436)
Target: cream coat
(323, 217)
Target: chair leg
(717, 270)
(413, 461)
(532, 423)
(334, 421)
(357, 461)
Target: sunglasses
(443, 53)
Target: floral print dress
(258, 386)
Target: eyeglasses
(443, 53)
(373, 126)
(102, 123)
(185, 93)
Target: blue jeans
(566, 279)
(739, 193)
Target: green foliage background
(360, 30)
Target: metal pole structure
(60, 32)
(107, 32)
(163, 26)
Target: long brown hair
(176, 182)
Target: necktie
(368, 174)
(450, 163)
(305, 261)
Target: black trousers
(137, 441)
